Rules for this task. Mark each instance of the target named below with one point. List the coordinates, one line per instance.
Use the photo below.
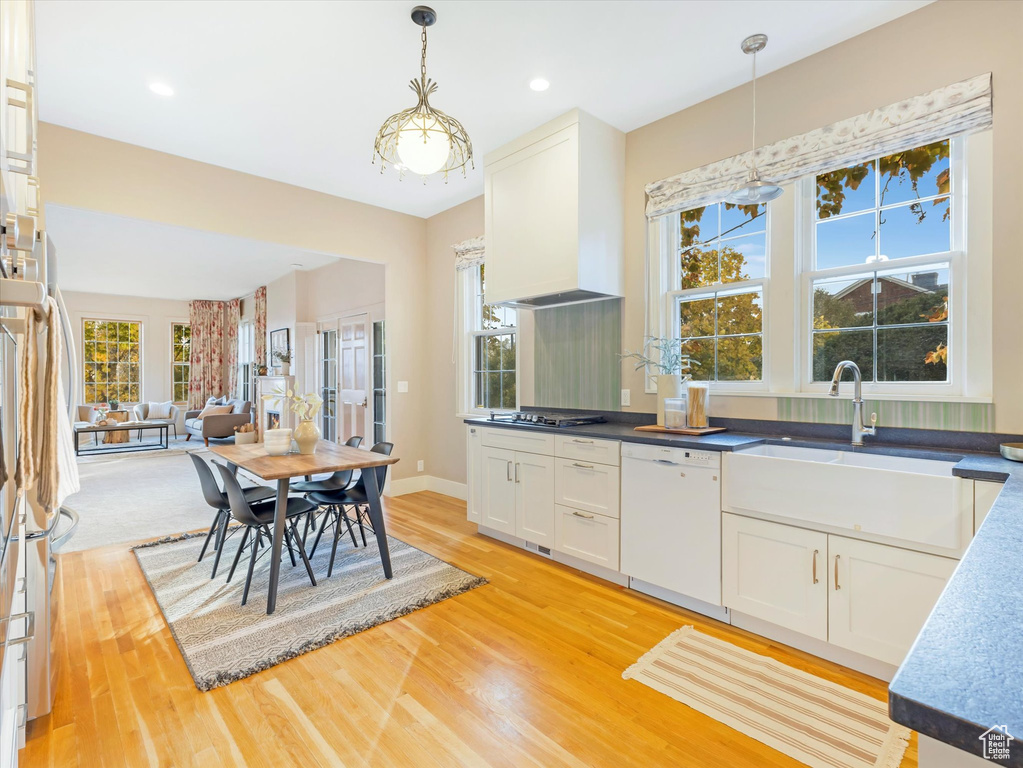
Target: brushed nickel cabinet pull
(815, 553)
(580, 514)
(516, 471)
(586, 442)
(837, 585)
(509, 472)
(582, 466)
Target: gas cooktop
(541, 419)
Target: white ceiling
(295, 90)
(103, 253)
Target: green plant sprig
(671, 360)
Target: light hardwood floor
(525, 671)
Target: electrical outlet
(626, 397)
(403, 386)
(420, 465)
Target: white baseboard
(682, 601)
(601, 572)
(873, 667)
(419, 483)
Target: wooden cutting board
(695, 431)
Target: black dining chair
(335, 482)
(338, 503)
(218, 500)
(257, 519)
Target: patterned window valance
(956, 109)
(469, 253)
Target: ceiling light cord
(422, 63)
(753, 149)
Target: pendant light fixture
(423, 140)
(755, 190)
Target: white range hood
(554, 215)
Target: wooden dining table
(328, 457)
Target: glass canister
(698, 397)
(674, 413)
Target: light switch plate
(420, 466)
(403, 386)
(626, 397)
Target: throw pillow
(160, 410)
(213, 410)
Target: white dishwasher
(671, 519)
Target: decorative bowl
(1011, 451)
(278, 447)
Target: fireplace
(271, 413)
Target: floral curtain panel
(232, 318)
(260, 326)
(207, 355)
(954, 110)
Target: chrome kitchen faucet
(858, 430)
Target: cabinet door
(586, 486)
(881, 596)
(473, 475)
(532, 218)
(984, 495)
(776, 573)
(534, 498)
(498, 495)
(589, 537)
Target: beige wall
(90, 172)
(935, 46)
(339, 288)
(156, 316)
(444, 429)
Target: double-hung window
(718, 271)
(181, 369)
(490, 337)
(881, 268)
(246, 358)
(112, 360)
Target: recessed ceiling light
(161, 89)
(539, 84)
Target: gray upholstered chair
(218, 425)
(86, 417)
(142, 414)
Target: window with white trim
(718, 272)
(112, 360)
(181, 368)
(246, 360)
(881, 261)
(491, 369)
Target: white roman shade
(956, 109)
(469, 253)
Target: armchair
(141, 412)
(218, 425)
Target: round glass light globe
(423, 146)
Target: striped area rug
(812, 720)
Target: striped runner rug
(810, 719)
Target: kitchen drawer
(589, 537)
(519, 440)
(588, 450)
(587, 486)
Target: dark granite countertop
(964, 673)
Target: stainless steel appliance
(543, 419)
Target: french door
(328, 385)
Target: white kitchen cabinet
(589, 537)
(984, 495)
(498, 493)
(588, 450)
(554, 213)
(880, 596)
(518, 494)
(534, 498)
(522, 440)
(775, 573)
(587, 486)
(474, 475)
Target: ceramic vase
(668, 385)
(285, 369)
(307, 435)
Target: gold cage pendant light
(423, 140)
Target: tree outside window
(493, 350)
(891, 320)
(111, 360)
(181, 349)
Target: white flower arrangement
(304, 406)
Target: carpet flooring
(222, 641)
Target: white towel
(57, 468)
